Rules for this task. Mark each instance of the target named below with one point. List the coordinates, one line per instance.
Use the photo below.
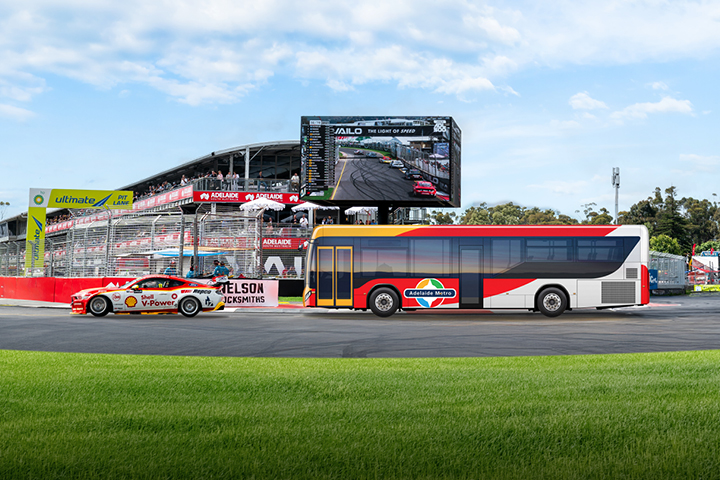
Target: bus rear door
(334, 274)
(471, 268)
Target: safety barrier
(51, 289)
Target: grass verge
(615, 416)
(290, 299)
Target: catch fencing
(672, 271)
(141, 244)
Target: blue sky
(550, 96)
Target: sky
(550, 96)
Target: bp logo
(38, 199)
(429, 293)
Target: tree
(596, 218)
(670, 222)
(442, 218)
(535, 216)
(476, 215)
(707, 246)
(700, 216)
(511, 214)
(3, 208)
(663, 243)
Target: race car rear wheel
(99, 306)
(189, 306)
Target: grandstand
(190, 189)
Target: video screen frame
(403, 161)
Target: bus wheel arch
(552, 300)
(384, 300)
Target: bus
(547, 268)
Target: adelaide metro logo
(430, 292)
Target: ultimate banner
(43, 198)
(65, 198)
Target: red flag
(694, 249)
(712, 250)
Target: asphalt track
(362, 178)
(668, 324)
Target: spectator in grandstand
(171, 270)
(221, 270)
(303, 222)
(291, 272)
(295, 182)
(261, 182)
(183, 181)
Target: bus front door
(335, 271)
(471, 258)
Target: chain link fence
(150, 243)
(672, 271)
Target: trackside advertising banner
(35, 240)
(241, 292)
(65, 198)
(43, 198)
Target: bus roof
(477, 230)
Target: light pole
(616, 185)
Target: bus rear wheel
(384, 302)
(552, 302)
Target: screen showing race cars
(404, 161)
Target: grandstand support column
(71, 252)
(232, 164)
(108, 270)
(181, 245)
(383, 210)
(196, 263)
(247, 163)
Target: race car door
(151, 294)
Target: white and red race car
(152, 293)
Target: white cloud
(666, 105)
(704, 163)
(565, 124)
(230, 47)
(659, 86)
(583, 101)
(15, 113)
(492, 28)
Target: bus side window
(430, 257)
(506, 253)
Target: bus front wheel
(552, 302)
(384, 302)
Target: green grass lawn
(118, 416)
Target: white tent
(311, 206)
(262, 203)
(365, 210)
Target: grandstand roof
(276, 147)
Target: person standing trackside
(221, 270)
(171, 270)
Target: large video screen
(404, 161)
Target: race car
(424, 188)
(153, 294)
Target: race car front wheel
(99, 306)
(189, 306)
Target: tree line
(675, 224)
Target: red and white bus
(540, 268)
